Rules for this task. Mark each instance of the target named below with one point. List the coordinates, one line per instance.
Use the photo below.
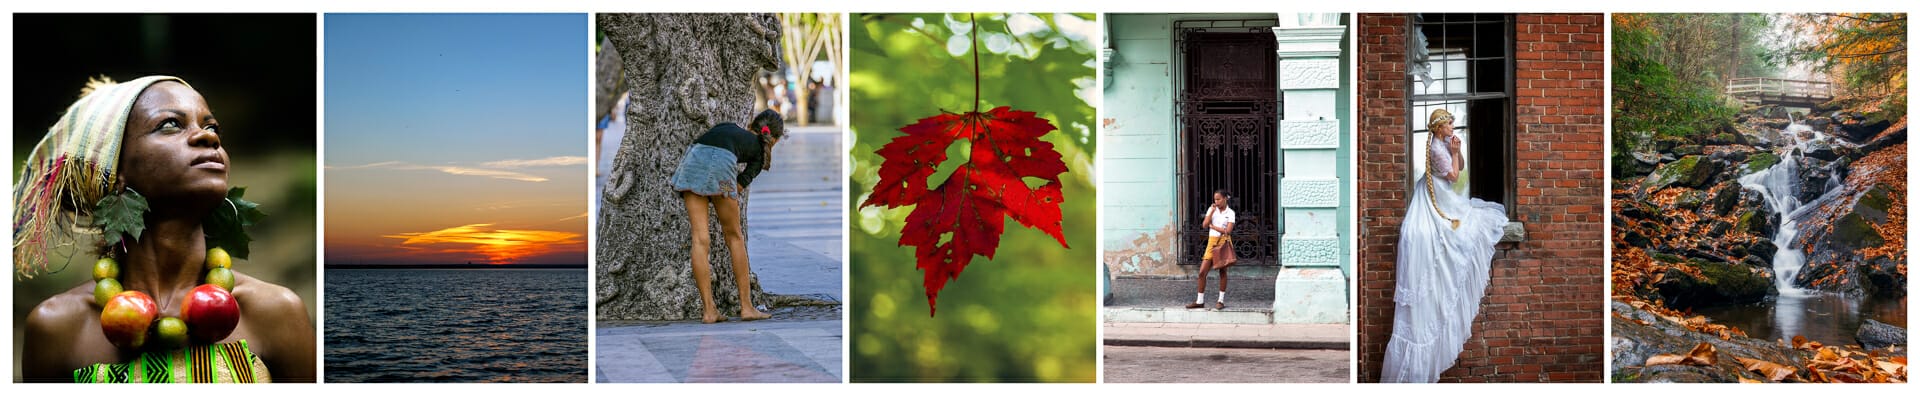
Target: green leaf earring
(120, 215)
(226, 227)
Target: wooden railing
(1763, 90)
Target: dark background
(257, 71)
(258, 74)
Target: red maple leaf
(962, 217)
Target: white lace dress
(1440, 274)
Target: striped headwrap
(71, 169)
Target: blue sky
(456, 138)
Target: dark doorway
(1228, 110)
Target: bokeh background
(1028, 315)
(257, 74)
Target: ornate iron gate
(1228, 113)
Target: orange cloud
(499, 246)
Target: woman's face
(172, 146)
(1219, 201)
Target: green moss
(1759, 162)
(1689, 171)
(1733, 282)
(1876, 198)
(1854, 232)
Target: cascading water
(1780, 185)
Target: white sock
(1223, 296)
(1200, 298)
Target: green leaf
(120, 215)
(226, 226)
(860, 40)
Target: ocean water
(456, 325)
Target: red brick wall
(1542, 318)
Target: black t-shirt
(744, 144)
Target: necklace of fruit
(128, 317)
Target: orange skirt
(1214, 242)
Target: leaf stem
(973, 32)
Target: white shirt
(1221, 218)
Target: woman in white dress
(1446, 243)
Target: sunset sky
(456, 138)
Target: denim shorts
(708, 171)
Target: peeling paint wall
(1138, 140)
(1147, 255)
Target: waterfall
(1780, 185)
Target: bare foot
(712, 317)
(749, 314)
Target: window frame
(1416, 125)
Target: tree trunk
(685, 72)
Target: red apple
(210, 313)
(126, 317)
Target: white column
(1310, 287)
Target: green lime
(104, 290)
(171, 333)
(105, 268)
(221, 277)
(218, 258)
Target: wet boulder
(1822, 149)
(1755, 223)
(1846, 251)
(1690, 171)
(1758, 162)
(1858, 128)
(1893, 135)
(1876, 335)
(1762, 248)
(1639, 335)
(1718, 283)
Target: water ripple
(456, 326)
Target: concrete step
(1243, 291)
(1259, 314)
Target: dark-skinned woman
(152, 140)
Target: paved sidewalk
(794, 231)
(794, 213)
(763, 351)
(1126, 364)
(1206, 335)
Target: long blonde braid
(1437, 117)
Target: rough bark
(686, 72)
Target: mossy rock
(1758, 162)
(1686, 150)
(1720, 283)
(1691, 171)
(1725, 138)
(1755, 223)
(1727, 197)
(1876, 199)
(1665, 257)
(1762, 248)
(1853, 231)
(1690, 200)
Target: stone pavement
(795, 218)
(1199, 365)
(773, 350)
(1162, 300)
(1209, 335)
(794, 230)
